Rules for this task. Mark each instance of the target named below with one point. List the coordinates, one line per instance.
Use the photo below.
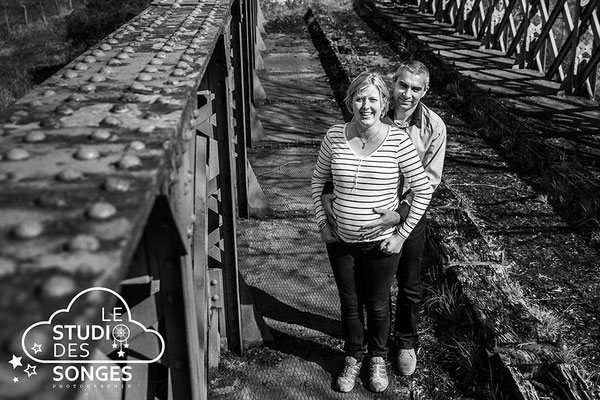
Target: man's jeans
(409, 301)
(363, 275)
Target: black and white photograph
(299, 199)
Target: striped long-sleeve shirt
(364, 183)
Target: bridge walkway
(281, 257)
(283, 261)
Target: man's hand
(403, 210)
(387, 220)
(326, 200)
(393, 244)
(328, 234)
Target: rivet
(84, 243)
(215, 297)
(138, 87)
(156, 61)
(89, 59)
(113, 41)
(28, 229)
(64, 109)
(69, 175)
(167, 49)
(97, 78)
(187, 58)
(35, 136)
(101, 210)
(105, 47)
(129, 161)
(106, 70)
(115, 62)
(70, 74)
(100, 134)
(50, 122)
(146, 128)
(48, 93)
(87, 88)
(51, 200)
(143, 77)
(7, 267)
(113, 184)
(58, 287)
(98, 53)
(178, 72)
(129, 98)
(76, 97)
(150, 69)
(128, 49)
(213, 282)
(136, 145)
(81, 67)
(190, 232)
(111, 121)
(122, 56)
(120, 108)
(87, 153)
(183, 65)
(160, 54)
(17, 155)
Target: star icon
(115, 345)
(15, 379)
(30, 370)
(121, 353)
(37, 348)
(126, 345)
(16, 361)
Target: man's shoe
(378, 378)
(347, 379)
(407, 361)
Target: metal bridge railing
(558, 38)
(121, 178)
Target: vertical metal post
(242, 110)
(573, 85)
(216, 81)
(164, 261)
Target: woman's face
(367, 106)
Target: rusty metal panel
(84, 154)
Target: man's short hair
(415, 67)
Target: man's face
(409, 88)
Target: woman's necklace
(364, 142)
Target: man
(428, 134)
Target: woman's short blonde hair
(363, 80)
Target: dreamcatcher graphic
(120, 334)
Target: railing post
(222, 249)
(242, 106)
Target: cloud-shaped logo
(60, 340)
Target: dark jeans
(408, 303)
(363, 275)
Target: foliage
(28, 56)
(98, 18)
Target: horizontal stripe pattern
(364, 183)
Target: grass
(30, 55)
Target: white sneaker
(347, 379)
(378, 378)
(407, 361)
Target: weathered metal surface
(83, 156)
